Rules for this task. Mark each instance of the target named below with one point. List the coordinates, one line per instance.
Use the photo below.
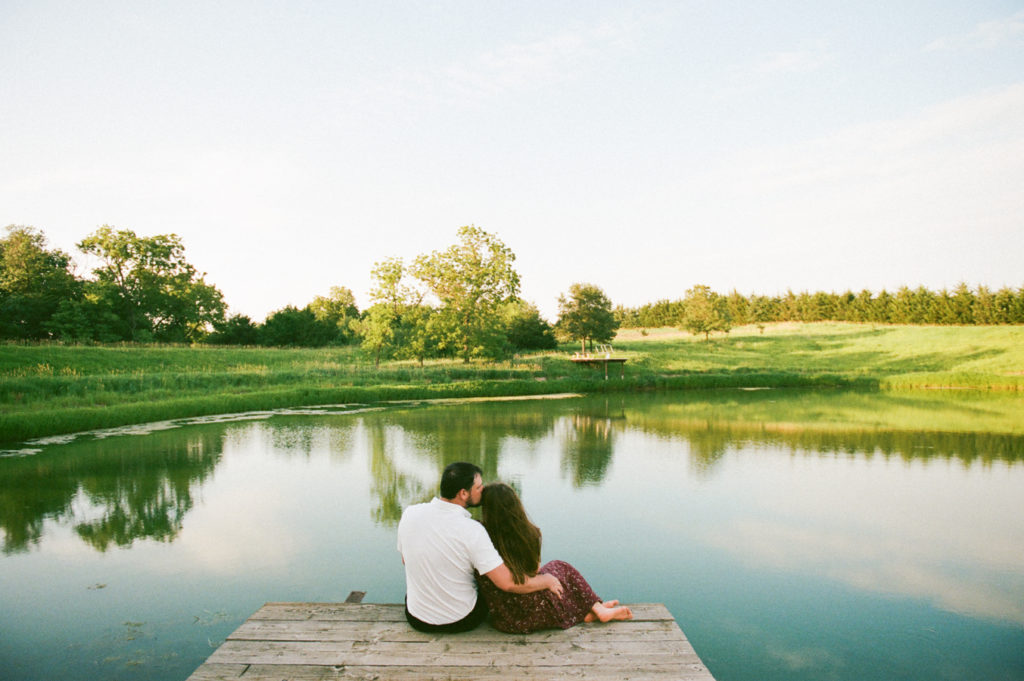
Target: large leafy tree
(150, 286)
(472, 280)
(34, 281)
(585, 314)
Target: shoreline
(50, 389)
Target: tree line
(462, 301)
(702, 310)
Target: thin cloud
(986, 36)
(515, 67)
(795, 61)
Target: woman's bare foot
(606, 612)
(591, 617)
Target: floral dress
(524, 613)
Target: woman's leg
(579, 603)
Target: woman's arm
(502, 578)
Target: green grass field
(54, 389)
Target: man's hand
(502, 579)
(552, 584)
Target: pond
(793, 535)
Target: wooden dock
(602, 362)
(350, 641)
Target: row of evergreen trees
(961, 306)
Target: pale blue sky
(644, 147)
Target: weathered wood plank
(673, 672)
(319, 630)
(444, 653)
(332, 612)
(395, 612)
(350, 641)
(211, 671)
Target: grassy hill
(53, 389)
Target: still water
(793, 535)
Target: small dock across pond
(364, 641)
(603, 362)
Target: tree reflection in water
(118, 490)
(588, 441)
(709, 423)
(112, 492)
(436, 436)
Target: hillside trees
(472, 280)
(586, 315)
(338, 314)
(396, 323)
(526, 329)
(962, 305)
(148, 285)
(461, 301)
(238, 329)
(34, 280)
(295, 327)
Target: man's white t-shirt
(441, 545)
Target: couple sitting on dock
(447, 555)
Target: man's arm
(502, 578)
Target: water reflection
(118, 490)
(588, 443)
(113, 492)
(787, 531)
(911, 427)
(437, 436)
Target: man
(442, 546)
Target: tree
(962, 303)
(417, 333)
(89, 319)
(235, 330)
(762, 311)
(148, 283)
(294, 327)
(472, 279)
(526, 329)
(394, 324)
(34, 281)
(338, 312)
(705, 311)
(739, 308)
(586, 315)
(377, 328)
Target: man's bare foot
(605, 613)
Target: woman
(518, 541)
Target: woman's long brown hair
(513, 535)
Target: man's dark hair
(458, 476)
